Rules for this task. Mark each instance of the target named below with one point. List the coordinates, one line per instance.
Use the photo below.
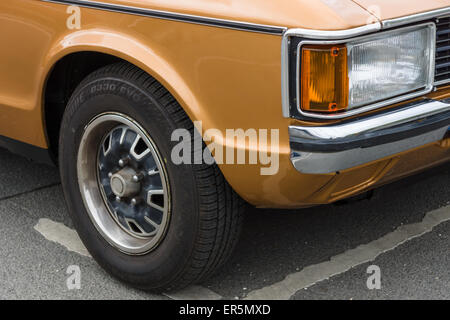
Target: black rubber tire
(206, 213)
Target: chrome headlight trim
(313, 35)
(367, 32)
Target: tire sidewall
(170, 257)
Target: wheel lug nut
(135, 201)
(138, 177)
(123, 162)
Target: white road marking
(194, 293)
(341, 263)
(59, 233)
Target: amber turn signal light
(324, 78)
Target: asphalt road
(317, 253)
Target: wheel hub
(124, 163)
(123, 185)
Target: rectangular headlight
(341, 77)
(390, 66)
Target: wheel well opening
(65, 76)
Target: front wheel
(151, 223)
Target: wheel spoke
(139, 149)
(122, 135)
(150, 221)
(136, 227)
(107, 144)
(127, 139)
(151, 195)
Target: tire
(204, 213)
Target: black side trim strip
(27, 150)
(229, 24)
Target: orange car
(167, 116)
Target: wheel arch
(78, 54)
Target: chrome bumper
(327, 149)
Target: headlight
(340, 77)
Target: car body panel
(388, 9)
(225, 78)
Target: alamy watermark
(234, 146)
(73, 281)
(74, 20)
(374, 280)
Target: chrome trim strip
(358, 110)
(372, 124)
(325, 163)
(333, 34)
(285, 98)
(442, 82)
(166, 15)
(396, 22)
(358, 135)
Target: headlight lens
(341, 77)
(387, 67)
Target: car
(167, 118)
